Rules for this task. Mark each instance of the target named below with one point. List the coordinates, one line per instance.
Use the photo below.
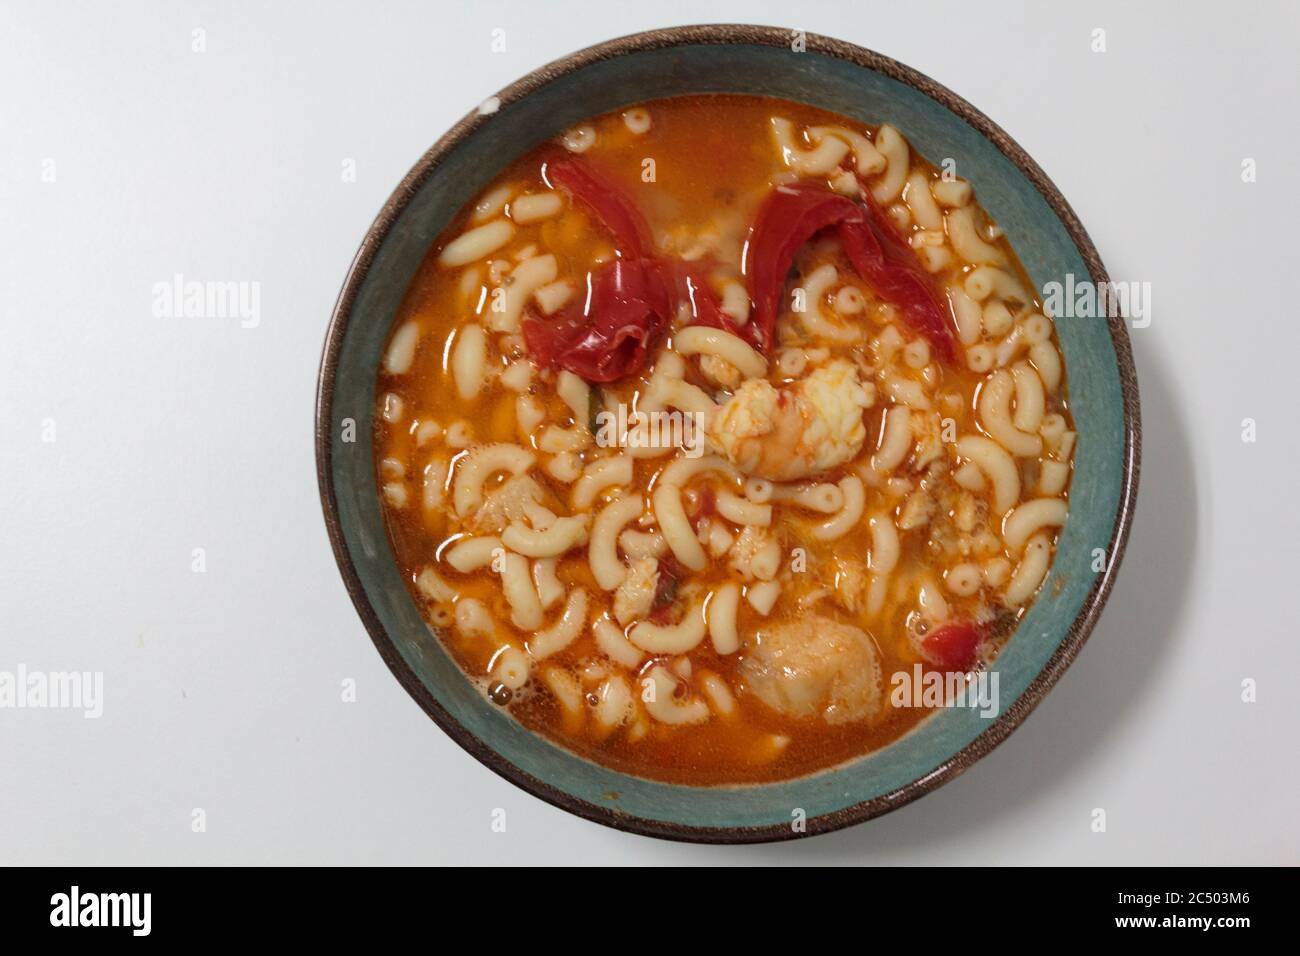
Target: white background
(222, 689)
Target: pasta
(472, 554)
(966, 240)
(536, 207)
(475, 468)
(995, 416)
(600, 475)
(469, 361)
(547, 583)
(740, 511)
(676, 528)
(1030, 517)
(811, 317)
(822, 159)
(401, 349)
(699, 340)
(476, 244)
(563, 632)
(670, 639)
(565, 533)
(525, 280)
(614, 644)
(848, 516)
(510, 666)
(661, 700)
(606, 567)
(614, 705)
(722, 612)
(684, 470)
(517, 583)
(995, 462)
(894, 148)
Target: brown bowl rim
(1009, 720)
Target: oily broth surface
(713, 158)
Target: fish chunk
(815, 667)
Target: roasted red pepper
(787, 218)
(886, 261)
(631, 302)
(692, 287)
(606, 334)
(606, 202)
(953, 647)
(791, 215)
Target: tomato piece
(953, 646)
(670, 575)
(708, 503)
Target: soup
(711, 427)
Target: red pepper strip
(787, 218)
(608, 334)
(628, 303)
(791, 215)
(952, 646)
(881, 257)
(631, 304)
(608, 204)
(692, 287)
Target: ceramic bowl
(866, 87)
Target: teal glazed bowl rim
(865, 86)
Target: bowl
(866, 87)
